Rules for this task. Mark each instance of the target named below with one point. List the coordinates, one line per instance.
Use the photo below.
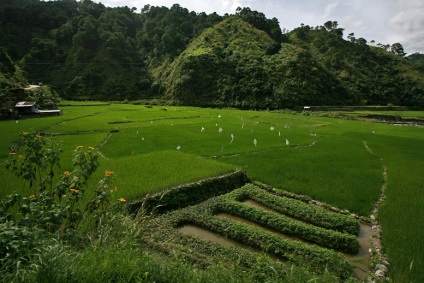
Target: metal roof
(25, 104)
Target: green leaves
(59, 208)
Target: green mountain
(88, 51)
(235, 64)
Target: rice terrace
(218, 195)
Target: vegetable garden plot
(311, 236)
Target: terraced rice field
(343, 163)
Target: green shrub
(60, 211)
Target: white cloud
(329, 9)
(408, 25)
(385, 21)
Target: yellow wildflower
(91, 148)
(73, 190)
(80, 146)
(108, 173)
(12, 153)
(116, 189)
(32, 196)
(38, 136)
(21, 156)
(66, 173)
(122, 200)
(25, 133)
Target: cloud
(385, 21)
(329, 10)
(408, 25)
(231, 6)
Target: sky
(384, 21)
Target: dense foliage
(89, 51)
(235, 64)
(10, 75)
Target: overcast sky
(385, 21)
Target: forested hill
(89, 51)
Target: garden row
(306, 232)
(298, 209)
(313, 251)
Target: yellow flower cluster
(109, 173)
(66, 173)
(73, 190)
(122, 200)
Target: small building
(26, 107)
(29, 108)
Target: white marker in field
(272, 128)
(255, 142)
(232, 138)
(219, 116)
(202, 129)
(287, 142)
(220, 130)
(178, 147)
(279, 133)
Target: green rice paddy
(336, 161)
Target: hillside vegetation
(88, 51)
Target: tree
(361, 41)
(351, 37)
(397, 49)
(331, 25)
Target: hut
(26, 107)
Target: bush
(60, 210)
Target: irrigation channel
(360, 260)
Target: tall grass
(139, 175)
(402, 214)
(115, 254)
(335, 170)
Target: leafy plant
(61, 210)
